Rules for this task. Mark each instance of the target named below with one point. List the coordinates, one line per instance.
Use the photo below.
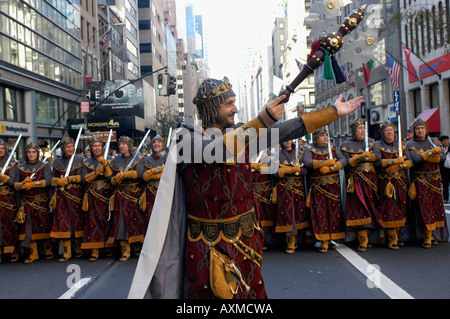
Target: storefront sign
(9, 128)
(117, 98)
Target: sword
(168, 138)
(137, 151)
(5, 167)
(69, 167)
(400, 146)
(330, 150)
(432, 145)
(105, 156)
(366, 138)
(45, 159)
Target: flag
(393, 71)
(367, 67)
(299, 64)
(347, 76)
(106, 41)
(413, 75)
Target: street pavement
(411, 272)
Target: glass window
(378, 94)
(46, 109)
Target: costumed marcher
(96, 171)
(262, 191)
(426, 187)
(224, 240)
(66, 201)
(154, 167)
(324, 196)
(392, 183)
(362, 196)
(33, 216)
(291, 215)
(9, 230)
(127, 219)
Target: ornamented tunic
(262, 190)
(34, 203)
(151, 186)
(8, 208)
(427, 182)
(362, 188)
(66, 202)
(393, 203)
(290, 193)
(325, 194)
(127, 220)
(96, 206)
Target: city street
(343, 273)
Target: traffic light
(160, 82)
(172, 85)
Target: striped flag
(393, 71)
(348, 79)
(106, 41)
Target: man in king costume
(426, 187)
(324, 197)
(217, 205)
(392, 182)
(361, 155)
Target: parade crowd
(391, 195)
(87, 204)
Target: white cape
(160, 269)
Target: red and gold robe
(8, 208)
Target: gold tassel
(111, 203)
(85, 207)
(20, 216)
(412, 191)
(389, 190)
(351, 185)
(143, 201)
(53, 202)
(308, 199)
(273, 196)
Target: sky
(230, 26)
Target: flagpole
(396, 60)
(440, 77)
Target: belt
(383, 174)
(325, 179)
(426, 175)
(128, 188)
(211, 231)
(366, 167)
(100, 184)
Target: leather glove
(28, 185)
(102, 160)
(147, 175)
(117, 179)
(434, 159)
(437, 150)
(355, 160)
(4, 178)
(130, 174)
(399, 160)
(63, 182)
(317, 164)
(393, 168)
(296, 169)
(325, 170)
(254, 166)
(55, 181)
(283, 171)
(336, 167)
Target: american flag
(394, 71)
(106, 41)
(348, 79)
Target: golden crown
(210, 94)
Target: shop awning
(433, 119)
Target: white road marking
(385, 284)
(72, 291)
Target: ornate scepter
(328, 45)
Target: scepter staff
(329, 44)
